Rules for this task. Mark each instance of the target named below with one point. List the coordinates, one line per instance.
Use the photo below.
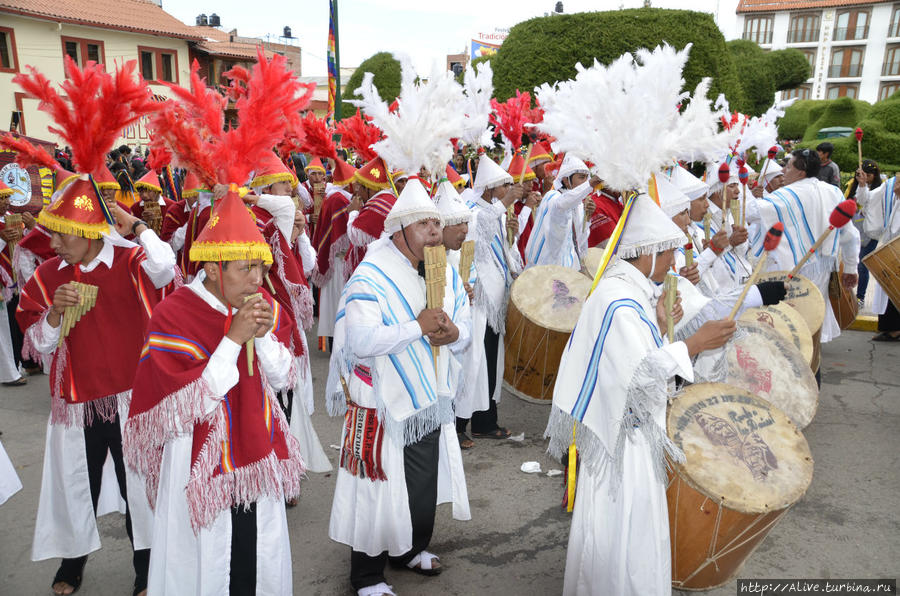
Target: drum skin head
(740, 450)
(551, 296)
(592, 259)
(802, 295)
(787, 321)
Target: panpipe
(736, 212)
(152, 214)
(689, 251)
(707, 230)
(435, 282)
(510, 216)
(249, 343)
(318, 189)
(670, 288)
(466, 258)
(87, 299)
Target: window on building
(801, 92)
(887, 89)
(758, 29)
(804, 28)
(851, 24)
(83, 51)
(835, 91)
(846, 62)
(891, 66)
(811, 58)
(158, 64)
(894, 29)
(8, 57)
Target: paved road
(847, 525)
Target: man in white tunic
(399, 454)
(612, 387)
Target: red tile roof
(745, 6)
(138, 16)
(220, 43)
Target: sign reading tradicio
(485, 44)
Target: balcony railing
(853, 70)
(890, 69)
(802, 36)
(760, 38)
(848, 34)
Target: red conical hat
(104, 179)
(62, 177)
(540, 152)
(373, 175)
(78, 211)
(343, 173)
(315, 164)
(515, 170)
(454, 177)
(230, 234)
(191, 186)
(272, 170)
(150, 181)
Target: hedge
(806, 117)
(546, 49)
(386, 69)
(763, 73)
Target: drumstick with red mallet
(773, 151)
(744, 177)
(724, 175)
(842, 214)
(773, 237)
(859, 135)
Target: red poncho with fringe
(243, 450)
(371, 221)
(330, 238)
(98, 358)
(195, 223)
(174, 218)
(289, 282)
(37, 241)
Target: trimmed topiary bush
(546, 49)
(843, 111)
(763, 73)
(386, 69)
(796, 119)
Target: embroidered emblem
(84, 203)
(214, 221)
(376, 173)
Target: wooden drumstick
(249, 343)
(689, 251)
(839, 217)
(859, 136)
(724, 175)
(671, 290)
(744, 177)
(773, 151)
(773, 237)
(707, 222)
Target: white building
(853, 46)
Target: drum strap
(570, 477)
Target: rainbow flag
(332, 62)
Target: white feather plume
(418, 133)
(478, 87)
(696, 135)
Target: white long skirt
(473, 396)
(329, 297)
(620, 546)
(9, 480)
(182, 562)
(301, 424)
(8, 370)
(66, 525)
(373, 517)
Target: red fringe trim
(80, 415)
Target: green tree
(546, 49)
(386, 69)
(763, 73)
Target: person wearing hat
(528, 200)
(315, 174)
(497, 265)
(205, 431)
(610, 395)
(332, 245)
(150, 193)
(9, 236)
(560, 235)
(90, 395)
(732, 266)
(373, 198)
(386, 381)
(773, 180)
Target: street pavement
(846, 526)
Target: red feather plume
(26, 153)
(358, 134)
(99, 106)
(318, 141)
(159, 156)
(510, 117)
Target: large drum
(787, 322)
(884, 264)
(544, 304)
(592, 259)
(843, 301)
(804, 296)
(745, 465)
(761, 361)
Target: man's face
(732, 191)
(148, 196)
(698, 208)
(70, 248)
(823, 157)
(281, 188)
(791, 173)
(500, 192)
(400, 184)
(682, 220)
(538, 170)
(775, 183)
(315, 176)
(420, 234)
(664, 262)
(455, 235)
(109, 196)
(575, 180)
(238, 280)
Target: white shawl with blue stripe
(614, 374)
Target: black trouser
(862, 270)
(286, 399)
(15, 333)
(243, 551)
(890, 320)
(486, 421)
(420, 463)
(100, 438)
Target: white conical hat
(772, 169)
(570, 165)
(412, 205)
(712, 176)
(687, 183)
(490, 175)
(451, 207)
(648, 230)
(671, 199)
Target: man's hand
(514, 193)
(720, 241)
(219, 191)
(861, 177)
(28, 220)
(849, 280)
(738, 236)
(532, 200)
(757, 191)
(432, 320)
(595, 181)
(470, 292)
(124, 221)
(10, 235)
(355, 204)
(299, 225)
(314, 218)
(677, 311)
(692, 273)
(512, 226)
(253, 319)
(447, 334)
(251, 199)
(589, 207)
(712, 335)
(65, 296)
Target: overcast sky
(427, 30)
